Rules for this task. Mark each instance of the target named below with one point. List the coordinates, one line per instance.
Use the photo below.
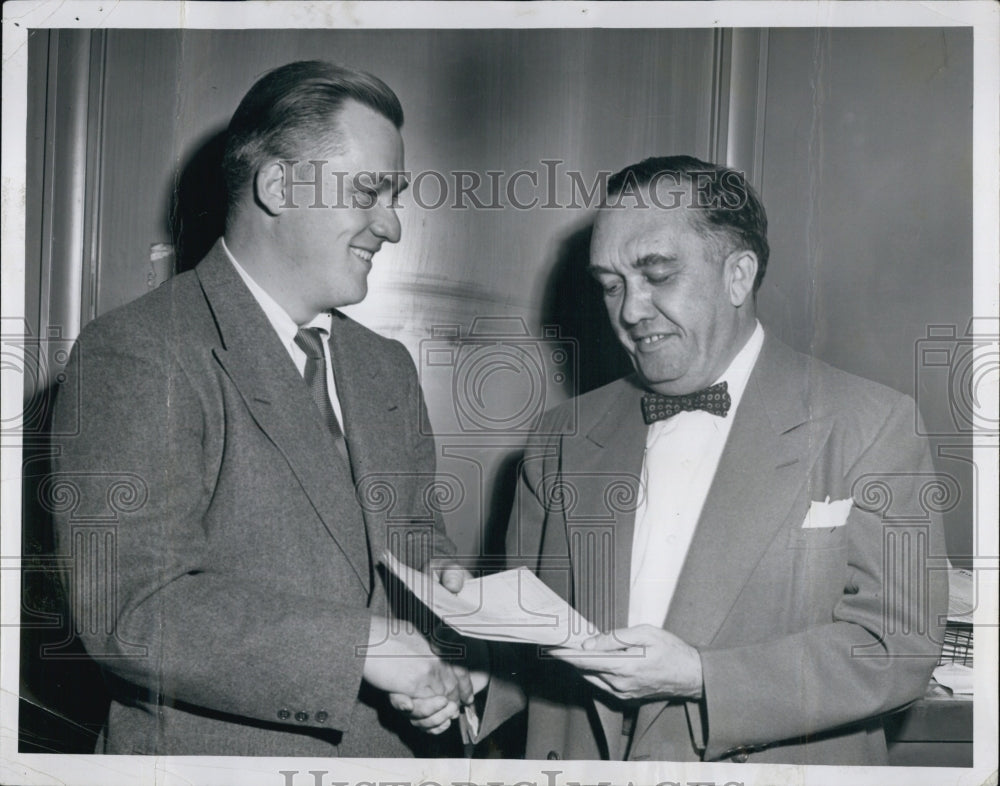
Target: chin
(664, 388)
(660, 375)
(352, 297)
(669, 385)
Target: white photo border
(22, 15)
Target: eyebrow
(651, 260)
(646, 260)
(396, 181)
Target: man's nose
(637, 305)
(385, 223)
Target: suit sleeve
(882, 641)
(171, 624)
(425, 460)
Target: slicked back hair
(290, 113)
(723, 206)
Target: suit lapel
(369, 428)
(617, 442)
(758, 477)
(760, 472)
(259, 366)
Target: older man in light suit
(717, 513)
(257, 426)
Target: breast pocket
(817, 537)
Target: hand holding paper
(510, 606)
(642, 662)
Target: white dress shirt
(286, 328)
(682, 454)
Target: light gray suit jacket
(239, 573)
(808, 636)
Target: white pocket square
(826, 515)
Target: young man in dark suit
(251, 422)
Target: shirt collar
(738, 373)
(283, 325)
(323, 321)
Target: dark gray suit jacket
(808, 635)
(240, 579)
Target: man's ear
(269, 187)
(741, 270)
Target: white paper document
(961, 595)
(510, 606)
(960, 679)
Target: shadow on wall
(198, 203)
(573, 301)
(493, 548)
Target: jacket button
(301, 717)
(322, 716)
(553, 755)
(741, 756)
(284, 714)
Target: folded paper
(514, 605)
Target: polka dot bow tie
(714, 400)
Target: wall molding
(746, 103)
(69, 256)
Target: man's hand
(428, 708)
(404, 665)
(450, 574)
(644, 662)
(434, 714)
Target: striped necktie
(310, 341)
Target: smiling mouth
(649, 342)
(362, 253)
